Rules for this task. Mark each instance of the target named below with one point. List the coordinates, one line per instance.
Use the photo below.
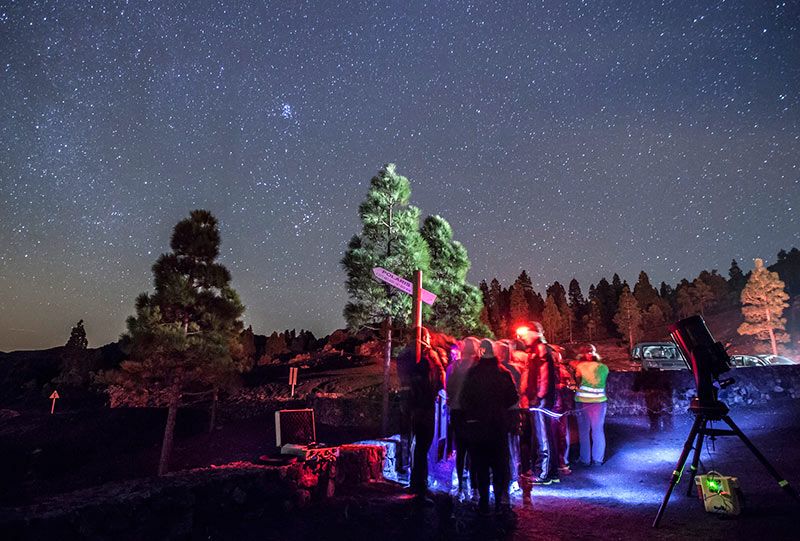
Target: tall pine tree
(736, 280)
(520, 311)
(185, 335)
(552, 318)
(391, 239)
(763, 302)
(577, 304)
(74, 367)
(607, 299)
(493, 306)
(629, 316)
(644, 292)
(458, 306)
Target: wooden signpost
(419, 296)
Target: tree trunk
(169, 430)
(387, 363)
(214, 402)
(772, 340)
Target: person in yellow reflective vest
(591, 404)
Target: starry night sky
(565, 138)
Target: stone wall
(185, 504)
(643, 393)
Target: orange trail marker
(53, 397)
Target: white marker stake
(293, 378)
(402, 284)
(54, 397)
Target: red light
(523, 330)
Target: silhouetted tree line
(614, 309)
(280, 345)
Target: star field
(564, 138)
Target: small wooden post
(293, 378)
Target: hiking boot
(536, 480)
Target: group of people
(509, 403)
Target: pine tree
(576, 300)
(763, 302)
(536, 304)
(533, 299)
(736, 280)
(668, 299)
(185, 334)
(593, 318)
(485, 320)
(578, 305)
(788, 268)
(644, 292)
(653, 322)
(551, 318)
(520, 311)
(494, 308)
(607, 300)
(703, 295)
(617, 285)
(77, 337)
(458, 306)
(74, 372)
(505, 312)
(559, 294)
(629, 317)
(568, 323)
(686, 299)
(391, 239)
(718, 288)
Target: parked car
(744, 361)
(658, 356)
(776, 359)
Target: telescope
(706, 358)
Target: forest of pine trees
(615, 309)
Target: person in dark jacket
(425, 379)
(457, 370)
(486, 397)
(541, 393)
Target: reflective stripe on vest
(584, 391)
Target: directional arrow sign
(401, 283)
(53, 397)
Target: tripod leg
(783, 483)
(676, 475)
(695, 459)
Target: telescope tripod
(700, 429)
